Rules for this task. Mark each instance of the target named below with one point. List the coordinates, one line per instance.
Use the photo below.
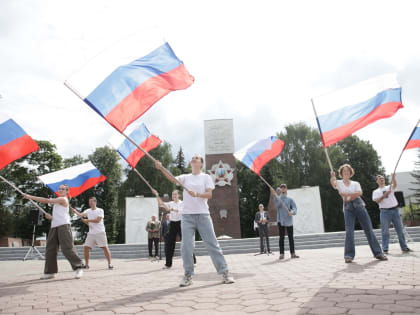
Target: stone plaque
(218, 136)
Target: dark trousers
(61, 236)
(156, 242)
(282, 232)
(174, 231)
(263, 230)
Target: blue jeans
(352, 210)
(204, 225)
(388, 216)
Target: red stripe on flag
(384, 111)
(148, 144)
(76, 191)
(147, 94)
(412, 144)
(266, 156)
(16, 149)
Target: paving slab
(317, 283)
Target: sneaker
(406, 250)
(110, 267)
(381, 257)
(86, 267)
(385, 251)
(166, 267)
(348, 260)
(79, 273)
(294, 256)
(46, 276)
(186, 281)
(281, 256)
(227, 279)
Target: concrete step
(231, 246)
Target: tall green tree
(180, 161)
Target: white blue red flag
(341, 113)
(414, 140)
(141, 136)
(258, 153)
(124, 81)
(14, 141)
(79, 178)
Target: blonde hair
(342, 167)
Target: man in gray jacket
(286, 209)
(262, 218)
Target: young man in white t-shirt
(96, 235)
(388, 205)
(198, 188)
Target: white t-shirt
(388, 202)
(60, 215)
(95, 228)
(197, 183)
(173, 215)
(351, 189)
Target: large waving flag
(124, 81)
(258, 153)
(79, 178)
(14, 141)
(414, 140)
(140, 135)
(341, 113)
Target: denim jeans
(263, 230)
(388, 216)
(352, 210)
(203, 223)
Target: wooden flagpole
(21, 192)
(320, 132)
(144, 179)
(405, 146)
(127, 137)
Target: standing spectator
(153, 230)
(262, 219)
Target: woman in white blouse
(353, 208)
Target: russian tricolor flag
(140, 135)
(258, 153)
(124, 81)
(14, 141)
(79, 178)
(414, 140)
(343, 112)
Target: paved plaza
(317, 283)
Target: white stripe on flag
(118, 54)
(355, 94)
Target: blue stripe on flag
(9, 131)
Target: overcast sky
(258, 62)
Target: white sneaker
(46, 276)
(186, 281)
(227, 279)
(79, 273)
